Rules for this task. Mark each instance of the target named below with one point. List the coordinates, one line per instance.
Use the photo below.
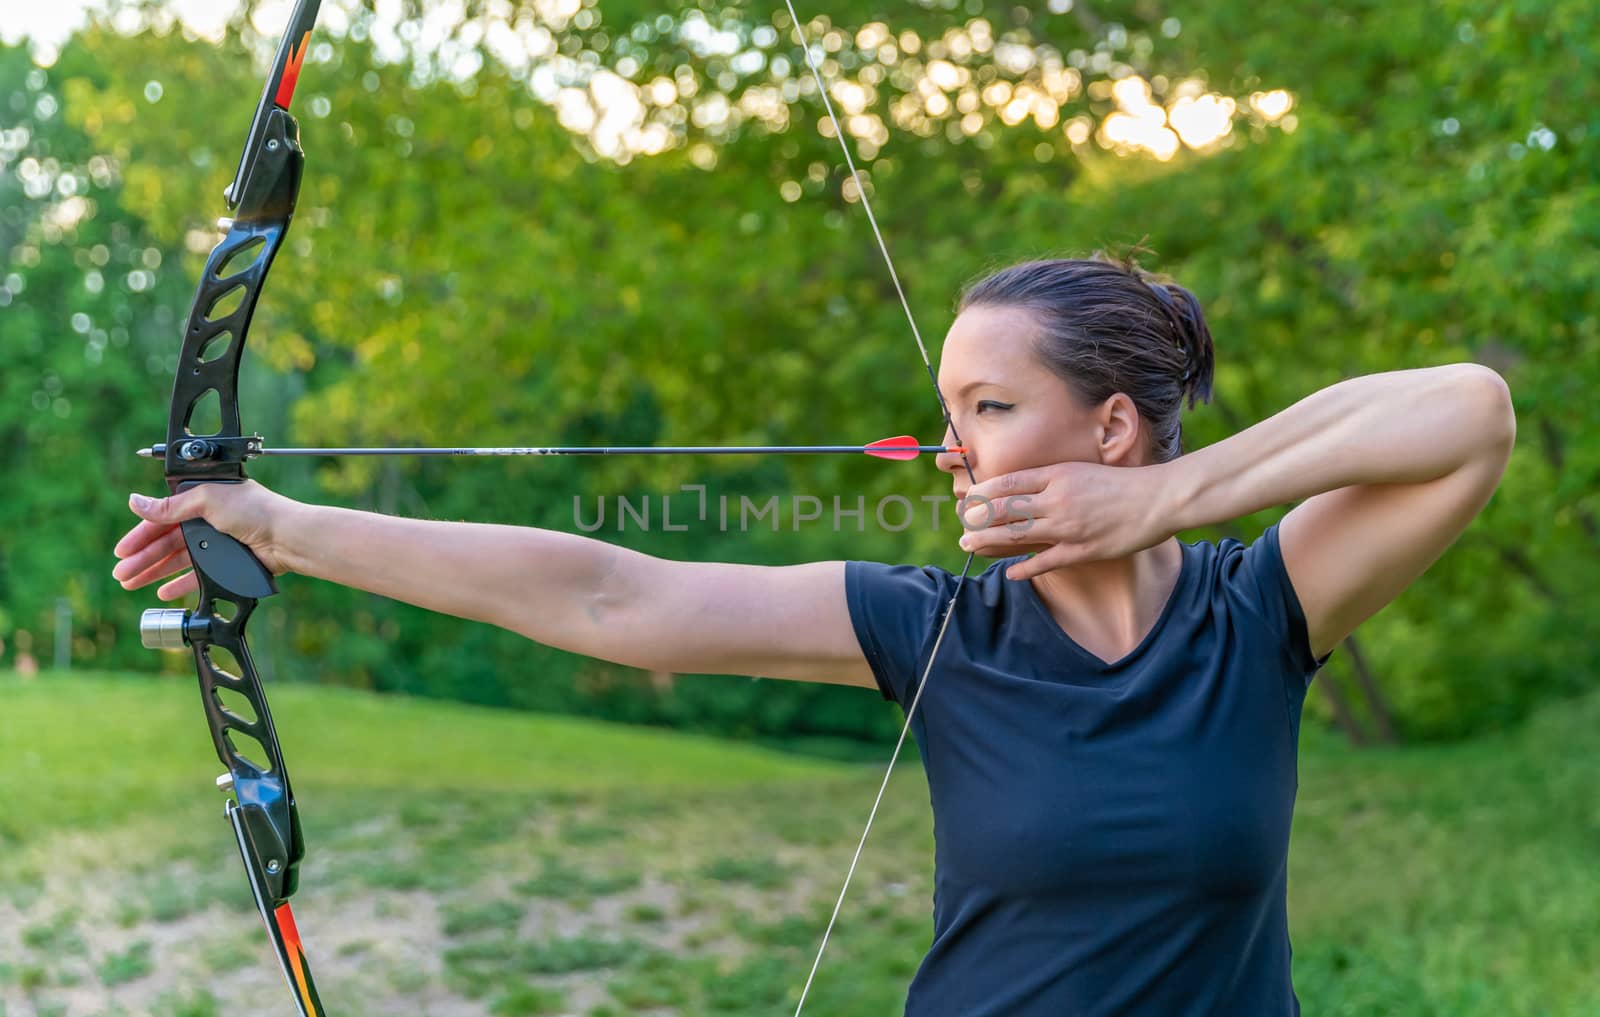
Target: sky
(47, 23)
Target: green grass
(93, 750)
(526, 865)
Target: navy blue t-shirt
(1110, 838)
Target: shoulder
(912, 589)
(1251, 584)
(898, 610)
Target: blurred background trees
(625, 222)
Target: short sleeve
(895, 610)
(1262, 575)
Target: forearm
(1400, 427)
(555, 588)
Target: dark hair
(1107, 326)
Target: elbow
(1495, 410)
(1500, 408)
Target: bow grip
(229, 564)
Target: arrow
(901, 448)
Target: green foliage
(463, 921)
(528, 1001)
(86, 328)
(762, 873)
(646, 914)
(56, 935)
(126, 965)
(190, 1004)
(465, 269)
(559, 879)
(481, 965)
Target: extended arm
(571, 592)
(586, 596)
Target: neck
(1115, 601)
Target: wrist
(1180, 494)
(293, 526)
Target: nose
(951, 462)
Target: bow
(261, 806)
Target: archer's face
(1011, 410)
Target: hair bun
(1193, 335)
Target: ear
(1119, 431)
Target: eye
(986, 405)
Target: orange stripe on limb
(297, 953)
(291, 73)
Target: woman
(1111, 730)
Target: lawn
(464, 861)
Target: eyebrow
(981, 382)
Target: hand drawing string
(812, 59)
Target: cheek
(1042, 443)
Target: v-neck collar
(1090, 660)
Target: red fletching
(901, 448)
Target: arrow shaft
(594, 450)
(158, 451)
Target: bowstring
(812, 62)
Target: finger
(172, 564)
(164, 546)
(1030, 481)
(179, 588)
(171, 510)
(142, 533)
(999, 540)
(1055, 557)
(978, 513)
